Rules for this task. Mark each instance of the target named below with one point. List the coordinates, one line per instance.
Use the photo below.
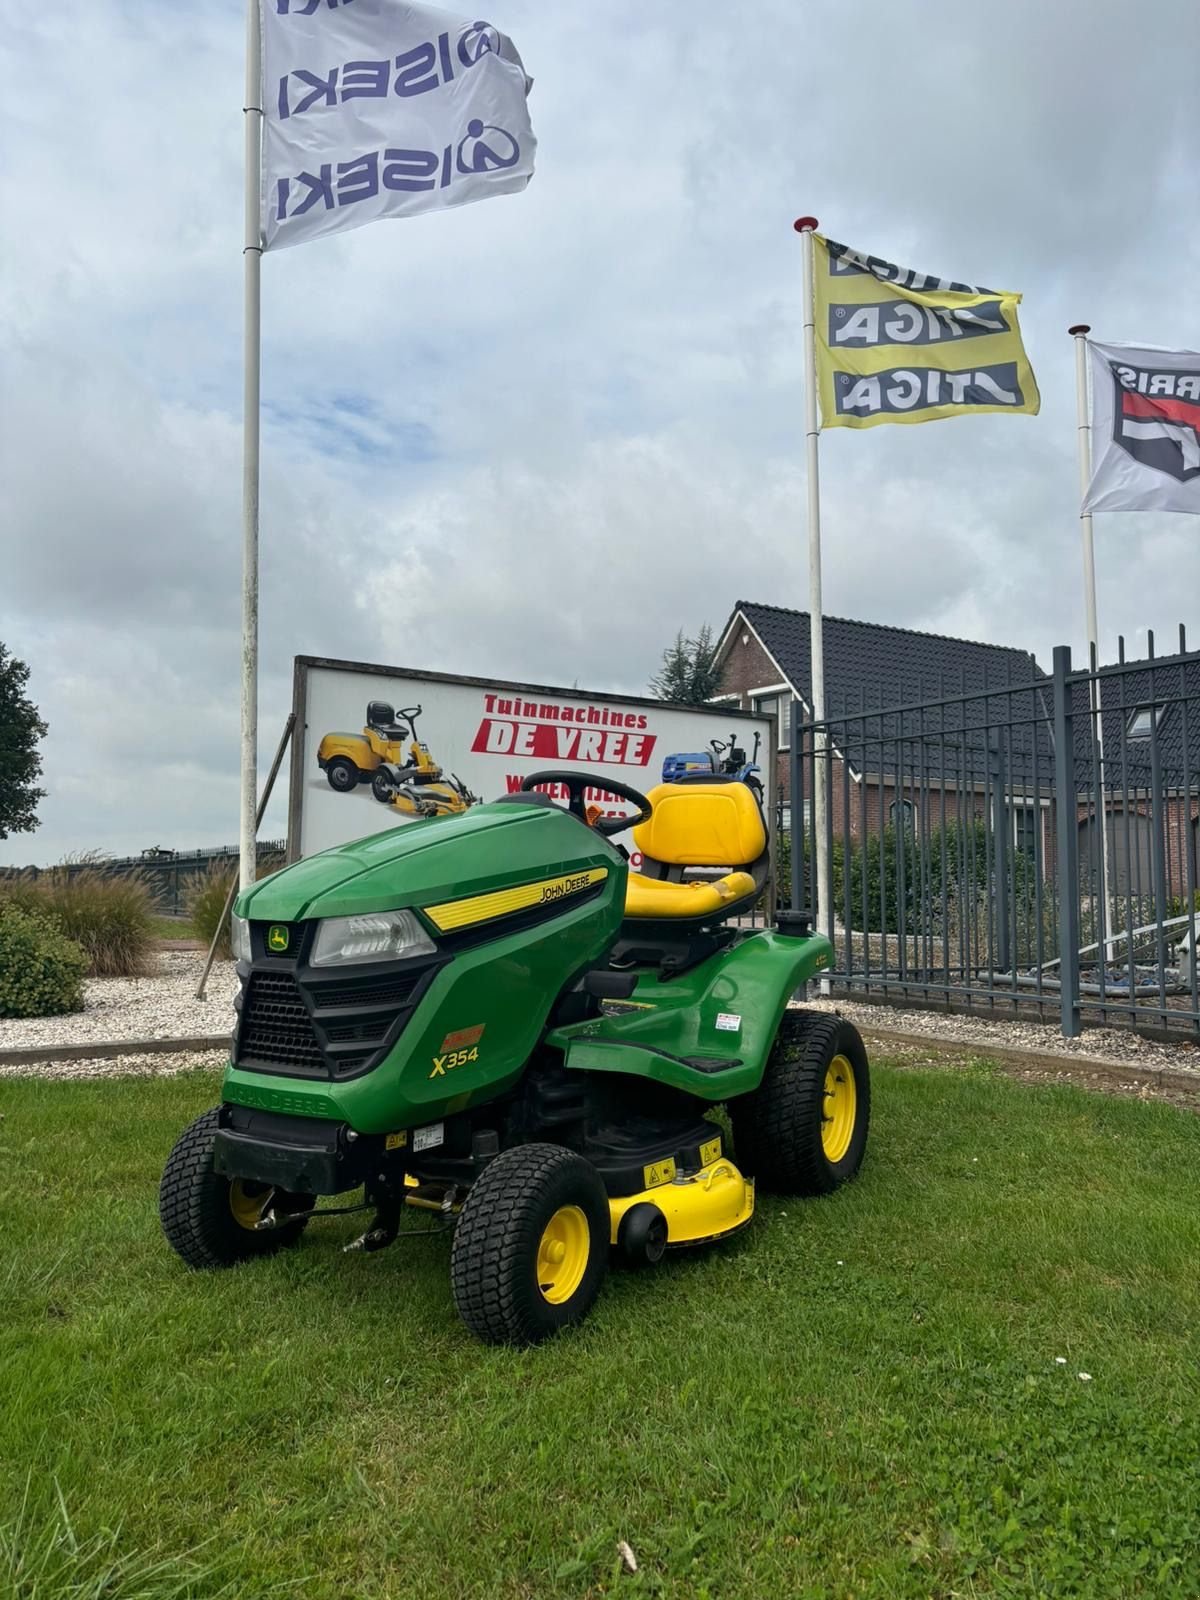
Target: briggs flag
(1145, 429)
(901, 346)
(375, 108)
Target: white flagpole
(252, 272)
(824, 905)
(1084, 435)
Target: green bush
(206, 897)
(110, 915)
(41, 970)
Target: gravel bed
(141, 1066)
(160, 1007)
(1114, 1045)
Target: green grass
(857, 1398)
(172, 928)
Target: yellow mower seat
(656, 897)
(697, 825)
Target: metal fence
(1028, 847)
(170, 873)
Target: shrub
(41, 970)
(110, 915)
(206, 897)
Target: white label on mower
(428, 1138)
(729, 1022)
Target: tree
(689, 675)
(20, 759)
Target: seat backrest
(702, 825)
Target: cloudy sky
(531, 438)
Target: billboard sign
(379, 747)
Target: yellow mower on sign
(412, 784)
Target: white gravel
(165, 1007)
(1114, 1045)
(160, 1007)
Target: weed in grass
(859, 1396)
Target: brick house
(763, 659)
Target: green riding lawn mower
(489, 1017)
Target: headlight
(239, 937)
(378, 936)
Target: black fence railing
(1024, 847)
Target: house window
(901, 814)
(1025, 829)
(776, 708)
(1140, 723)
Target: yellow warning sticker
(658, 1172)
(710, 1151)
(395, 1141)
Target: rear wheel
(531, 1245)
(342, 774)
(804, 1129)
(211, 1220)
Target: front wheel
(382, 787)
(210, 1220)
(341, 774)
(804, 1129)
(531, 1245)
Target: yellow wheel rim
(840, 1108)
(248, 1201)
(563, 1253)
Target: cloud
(533, 438)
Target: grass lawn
(858, 1397)
(172, 928)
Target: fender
(710, 1030)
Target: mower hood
(422, 863)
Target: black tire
(778, 1129)
(341, 774)
(642, 1235)
(494, 1263)
(756, 789)
(382, 787)
(194, 1206)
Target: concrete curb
(1168, 1078)
(108, 1049)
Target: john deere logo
(277, 937)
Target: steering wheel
(575, 782)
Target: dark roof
(966, 690)
(1172, 685)
(887, 666)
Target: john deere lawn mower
(490, 1018)
(411, 783)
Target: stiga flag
(901, 346)
(1145, 429)
(373, 108)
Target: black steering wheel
(575, 782)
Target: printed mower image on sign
(413, 784)
(489, 1016)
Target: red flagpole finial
(805, 224)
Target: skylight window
(1139, 725)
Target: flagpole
(251, 368)
(805, 227)
(1084, 436)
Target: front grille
(276, 1027)
(381, 992)
(305, 1025)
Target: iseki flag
(1145, 429)
(374, 108)
(901, 346)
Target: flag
(374, 108)
(1145, 429)
(901, 346)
